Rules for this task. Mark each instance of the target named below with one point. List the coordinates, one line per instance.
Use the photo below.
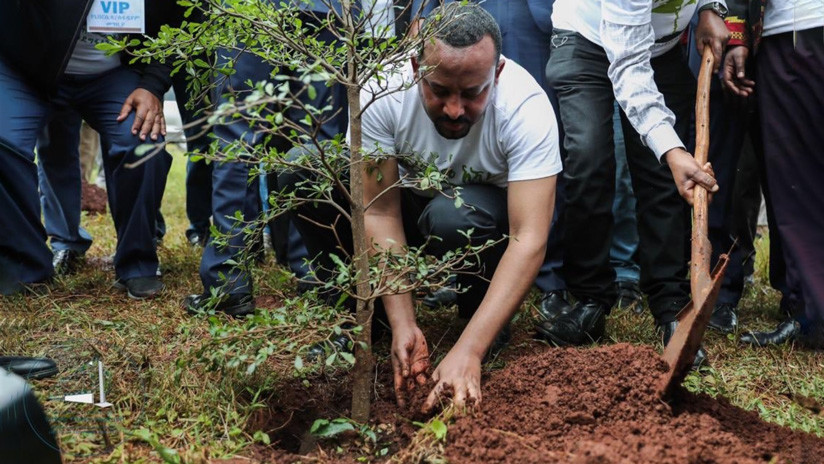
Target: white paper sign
(117, 17)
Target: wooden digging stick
(695, 317)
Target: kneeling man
(489, 125)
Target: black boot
(785, 332)
(723, 318)
(667, 329)
(583, 324)
(553, 304)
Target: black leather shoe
(66, 262)
(553, 304)
(197, 240)
(341, 342)
(666, 334)
(29, 368)
(723, 318)
(785, 332)
(629, 296)
(235, 304)
(441, 298)
(583, 324)
(141, 288)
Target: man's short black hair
(460, 25)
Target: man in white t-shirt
(626, 51)
(489, 125)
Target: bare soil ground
(594, 405)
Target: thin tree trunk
(362, 372)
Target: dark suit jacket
(37, 38)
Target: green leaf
(349, 357)
(326, 429)
(312, 92)
(143, 148)
(262, 437)
(298, 363)
(331, 359)
(438, 428)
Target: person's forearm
(510, 284)
(630, 71)
(399, 307)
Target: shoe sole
(560, 342)
(40, 374)
(122, 287)
(723, 330)
(144, 297)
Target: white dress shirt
(631, 33)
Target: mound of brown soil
(92, 198)
(600, 406)
(558, 405)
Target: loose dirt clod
(92, 198)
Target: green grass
(168, 405)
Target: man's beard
(450, 128)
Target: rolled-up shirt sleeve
(627, 36)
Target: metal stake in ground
(704, 286)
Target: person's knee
(483, 220)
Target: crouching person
(488, 124)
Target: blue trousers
(58, 171)
(198, 173)
(134, 193)
(233, 190)
(623, 254)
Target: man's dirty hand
(410, 361)
(458, 376)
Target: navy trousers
(233, 190)
(134, 193)
(58, 170)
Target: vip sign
(117, 17)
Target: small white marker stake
(102, 403)
(86, 398)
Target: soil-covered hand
(148, 114)
(458, 375)
(734, 73)
(712, 32)
(410, 361)
(687, 173)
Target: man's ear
(415, 65)
(501, 63)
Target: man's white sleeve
(627, 37)
(377, 125)
(531, 141)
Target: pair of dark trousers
(233, 189)
(134, 193)
(198, 173)
(791, 97)
(58, 171)
(578, 71)
(434, 220)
